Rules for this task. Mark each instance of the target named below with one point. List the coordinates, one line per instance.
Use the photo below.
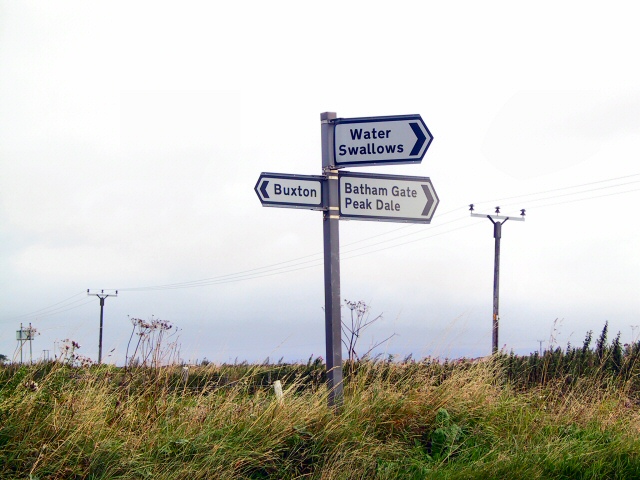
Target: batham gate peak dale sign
(386, 198)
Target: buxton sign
(380, 140)
(387, 198)
(290, 191)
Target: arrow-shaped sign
(380, 140)
(290, 191)
(387, 198)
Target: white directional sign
(387, 198)
(290, 191)
(380, 140)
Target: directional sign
(290, 191)
(386, 198)
(380, 140)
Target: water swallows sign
(380, 140)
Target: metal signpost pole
(330, 222)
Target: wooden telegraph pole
(498, 221)
(102, 297)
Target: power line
(560, 189)
(412, 241)
(574, 193)
(588, 198)
(43, 310)
(410, 225)
(50, 313)
(58, 312)
(255, 273)
(288, 266)
(284, 265)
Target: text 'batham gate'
(355, 142)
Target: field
(570, 413)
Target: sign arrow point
(430, 200)
(421, 138)
(263, 189)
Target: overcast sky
(132, 135)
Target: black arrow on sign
(421, 138)
(263, 189)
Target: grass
(399, 420)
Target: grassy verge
(410, 420)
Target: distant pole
(21, 340)
(541, 342)
(30, 345)
(102, 297)
(330, 223)
(497, 235)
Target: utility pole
(101, 296)
(497, 234)
(24, 335)
(21, 337)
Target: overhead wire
(413, 241)
(277, 267)
(51, 312)
(314, 260)
(294, 267)
(588, 198)
(576, 193)
(43, 310)
(58, 312)
(410, 225)
(288, 266)
(560, 189)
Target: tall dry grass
(410, 420)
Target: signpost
(387, 198)
(380, 140)
(345, 195)
(290, 191)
